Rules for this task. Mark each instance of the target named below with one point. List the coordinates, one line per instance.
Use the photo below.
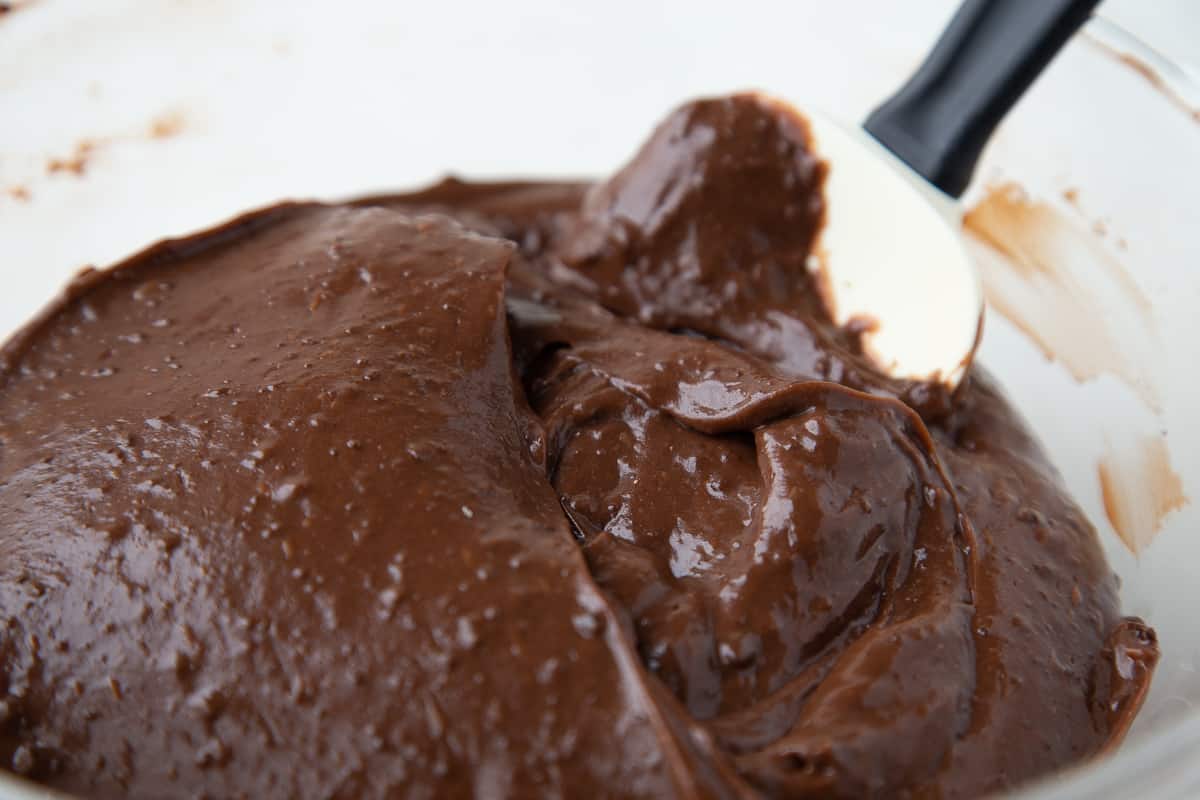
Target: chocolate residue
(1140, 489)
(167, 125)
(164, 126)
(1152, 76)
(1057, 283)
(77, 162)
(1071, 196)
(1143, 69)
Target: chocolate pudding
(533, 490)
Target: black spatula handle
(987, 57)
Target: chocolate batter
(527, 490)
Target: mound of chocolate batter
(532, 490)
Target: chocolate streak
(532, 490)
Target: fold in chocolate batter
(526, 490)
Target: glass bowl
(132, 120)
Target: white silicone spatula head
(890, 249)
(892, 259)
